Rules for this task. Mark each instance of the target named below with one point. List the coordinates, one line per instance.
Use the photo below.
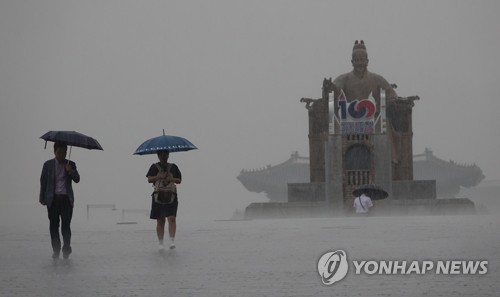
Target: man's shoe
(66, 252)
(55, 255)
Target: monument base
(452, 206)
(401, 190)
(280, 210)
(413, 189)
(389, 207)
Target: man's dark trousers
(60, 208)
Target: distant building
(274, 180)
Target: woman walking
(164, 176)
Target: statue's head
(359, 57)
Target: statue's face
(359, 61)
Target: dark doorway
(358, 157)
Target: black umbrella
(72, 138)
(373, 191)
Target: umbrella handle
(69, 157)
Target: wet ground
(251, 258)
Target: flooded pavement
(251, 258)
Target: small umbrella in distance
(373, 191)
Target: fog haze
(228, 76)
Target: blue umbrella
(167, 143)
(72, 138)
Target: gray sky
(227, 75)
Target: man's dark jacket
(48, 182)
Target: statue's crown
(359, 45)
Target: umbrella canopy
(167, 143)
(373, 191)
(72, 138)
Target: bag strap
(157, 184)
(160, 169)
(361, 203)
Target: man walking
(363, 203)
(56, 192)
